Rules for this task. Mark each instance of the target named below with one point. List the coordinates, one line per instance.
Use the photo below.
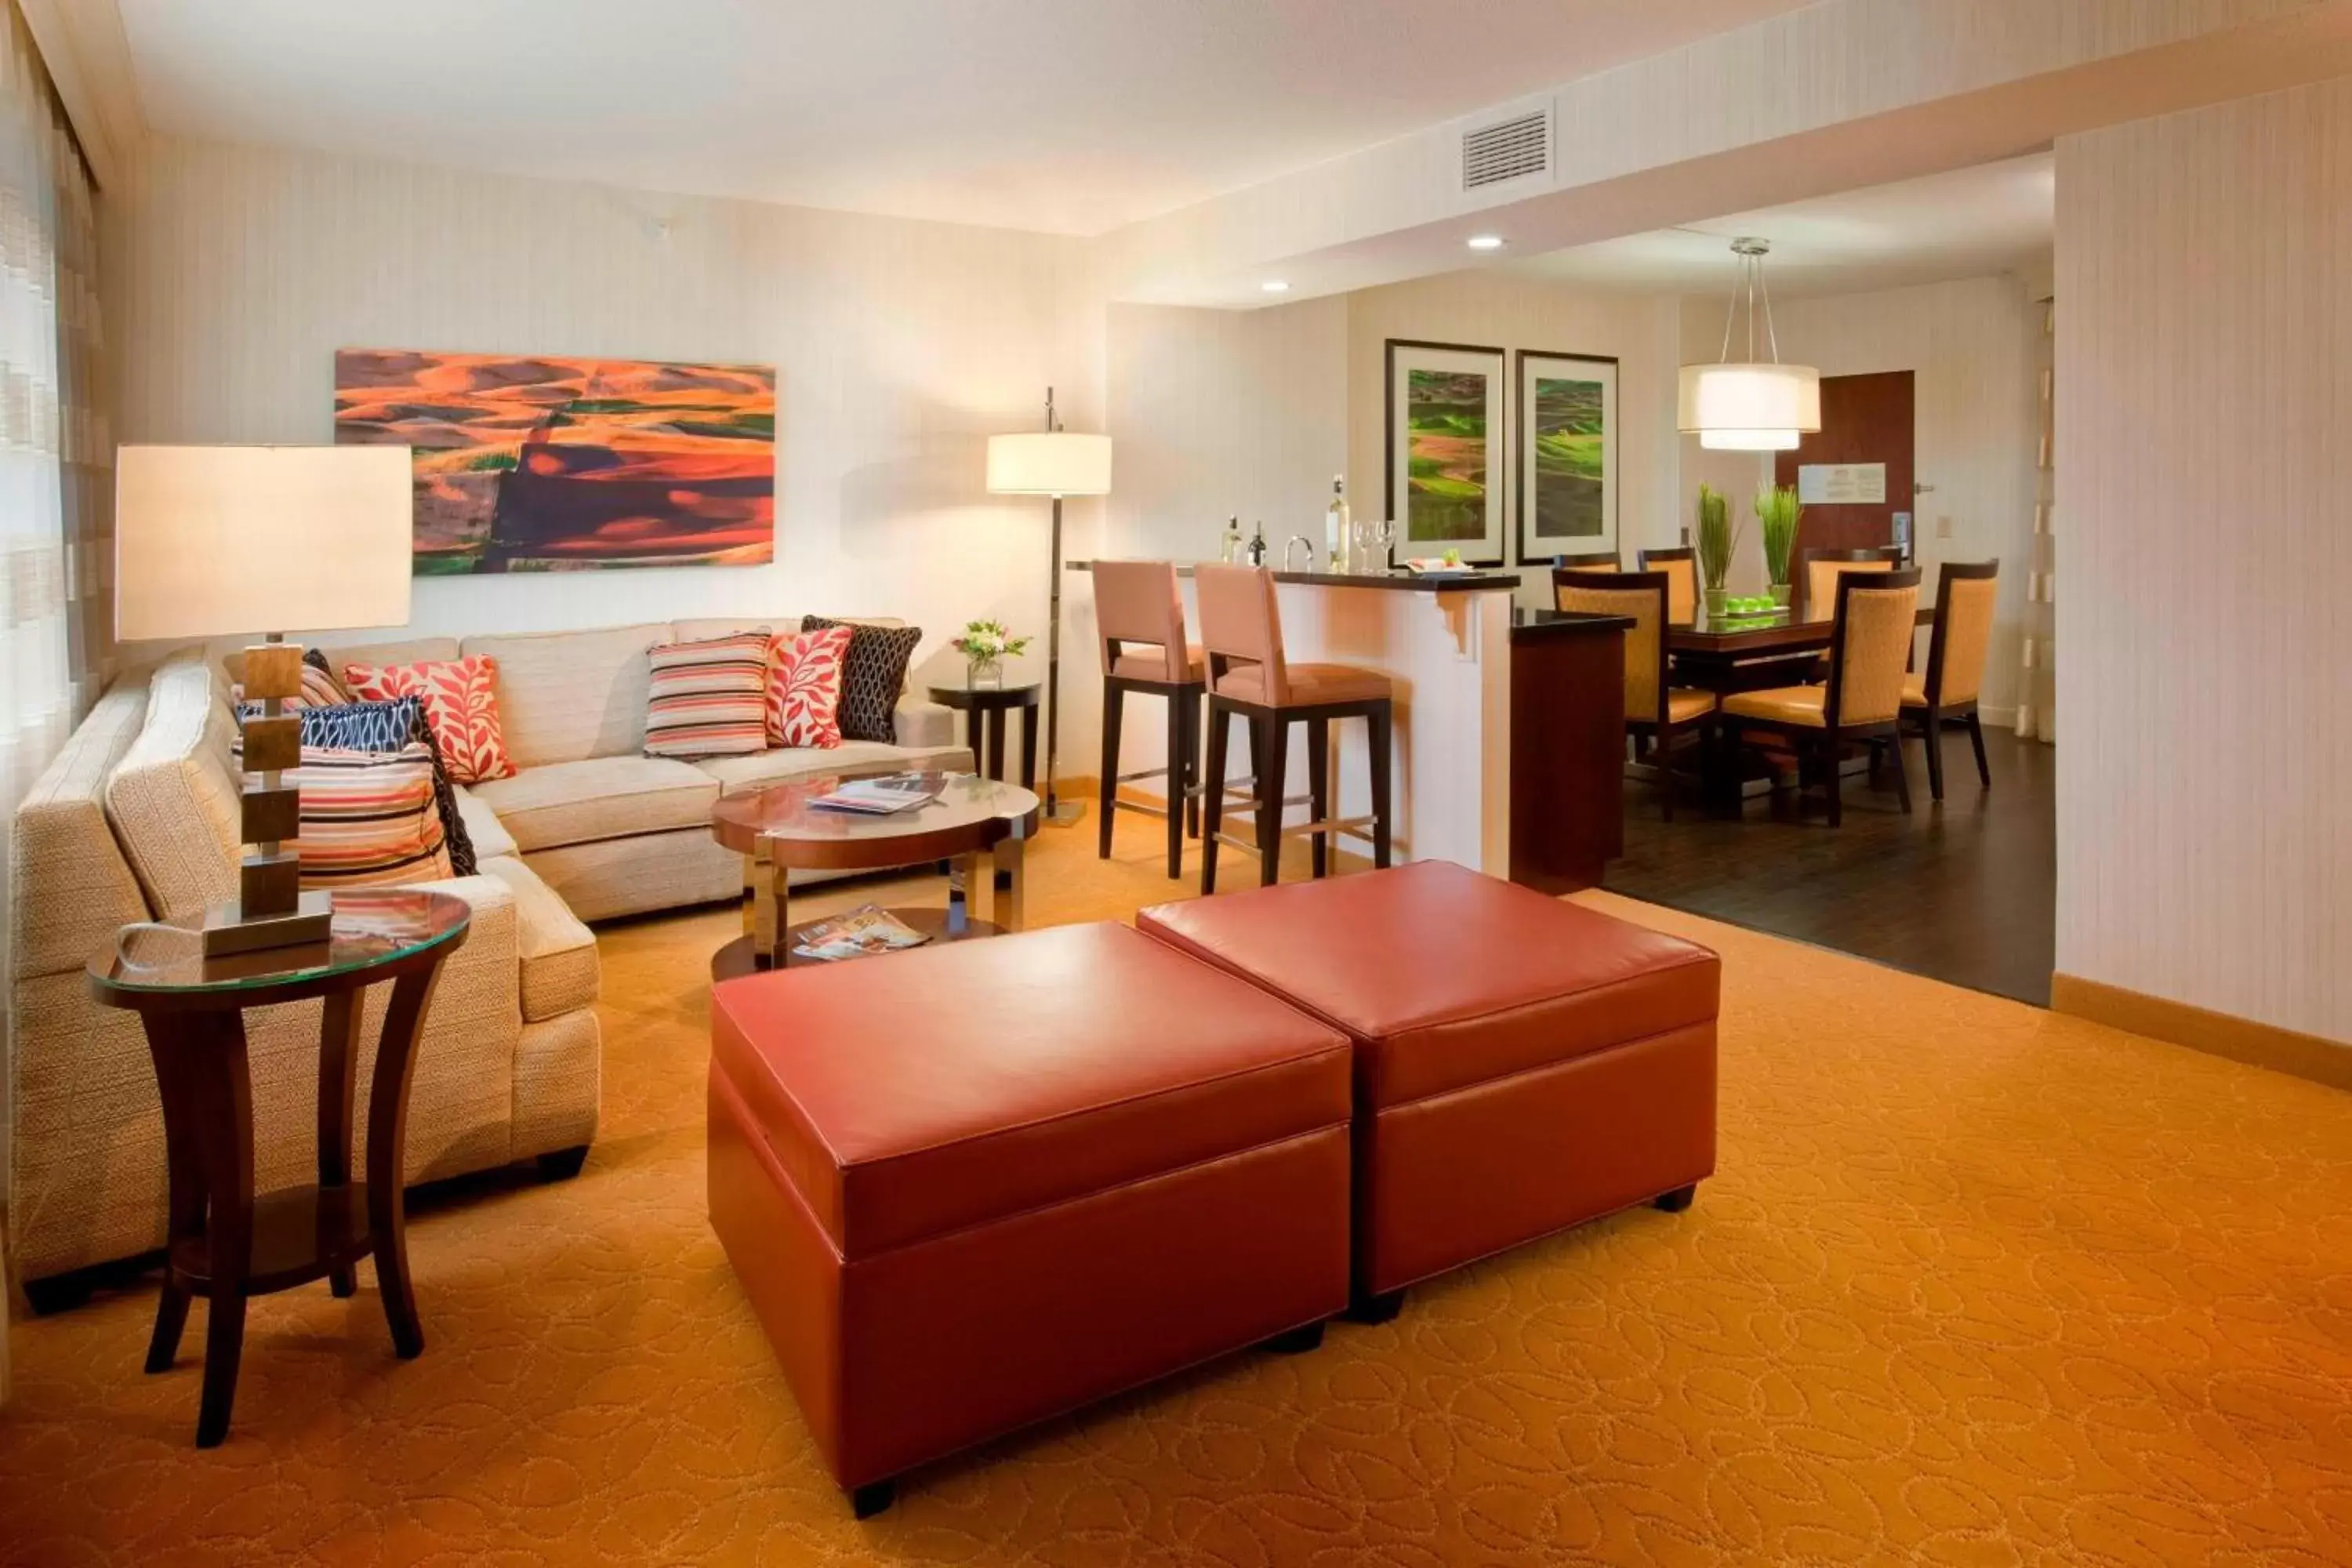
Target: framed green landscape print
(1567, 455)
(1447, 470)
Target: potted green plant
(985, 645)
(1714, 542)
(1777, 515)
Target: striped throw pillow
(705, 698)
(369, 818)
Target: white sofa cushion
(74, 887)
(558, 953)
(565, 697)
(601, 798)
(483, 829)
(414, 650)
(174, 801)
(708, 627)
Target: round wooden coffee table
(980, 826)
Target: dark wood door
(1864, 419)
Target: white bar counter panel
(1445, 646)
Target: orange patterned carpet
(1976, 1285)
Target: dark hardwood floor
(1965, 893)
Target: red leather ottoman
(1522, 1065)
(978, 1185)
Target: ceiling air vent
(1507, 150)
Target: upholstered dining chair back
(1598, 561)
(1137, 602)
(1870, 646)
(1824, 567)
(1681, 568)
(1241, 625)
(1964, 612)
(1641, 597)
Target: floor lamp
(1050, 462)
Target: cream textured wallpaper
(2205, 350)
(234, 273)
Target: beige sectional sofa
(137, 819)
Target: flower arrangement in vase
(1777, 515)
(1713, 542)
(985, 645)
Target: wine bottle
(1335, 525)
(1230, 548)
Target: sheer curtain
(56, 454)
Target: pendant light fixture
(1761, 406)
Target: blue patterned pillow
(386, 728)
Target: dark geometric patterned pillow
(386, 727)
(871, 677)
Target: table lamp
(1050, 462)
(214, 540)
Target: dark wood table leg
(1029, 747)
(184, 1167)
(395, 1058)
(338, 1054)
(217, 1043)
(995, 767)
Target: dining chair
(1655, 709)
(1956, 648)
(1680, 564)
(1870, 646)
(1140, 613)
(1824, 567)
(1596, 561)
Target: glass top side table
(225, 1243)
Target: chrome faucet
(1298, 538)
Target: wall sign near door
(1842, 484)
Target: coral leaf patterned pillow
(804, 680)
(369, 819)
(461, 708)
(872, 677)
(704, 697)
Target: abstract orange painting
(527, 463)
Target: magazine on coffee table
(868, 929)
(883, 796)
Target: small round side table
(225, 1243)
(991, 704)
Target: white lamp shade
(1750, 407)
(1055, 463)
(1751, 440)
(219, 541)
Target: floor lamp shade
(1049, 463)
(214, 541)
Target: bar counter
(1507, 721)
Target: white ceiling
(1965, 224)
(1072, 116)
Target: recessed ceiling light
(1277, 286)
(1485, 242)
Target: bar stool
(1137, 602)
(1241, 631)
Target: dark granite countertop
(1473, 581)
(1531, 626)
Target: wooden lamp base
(270, 910)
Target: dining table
(1740, 652)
